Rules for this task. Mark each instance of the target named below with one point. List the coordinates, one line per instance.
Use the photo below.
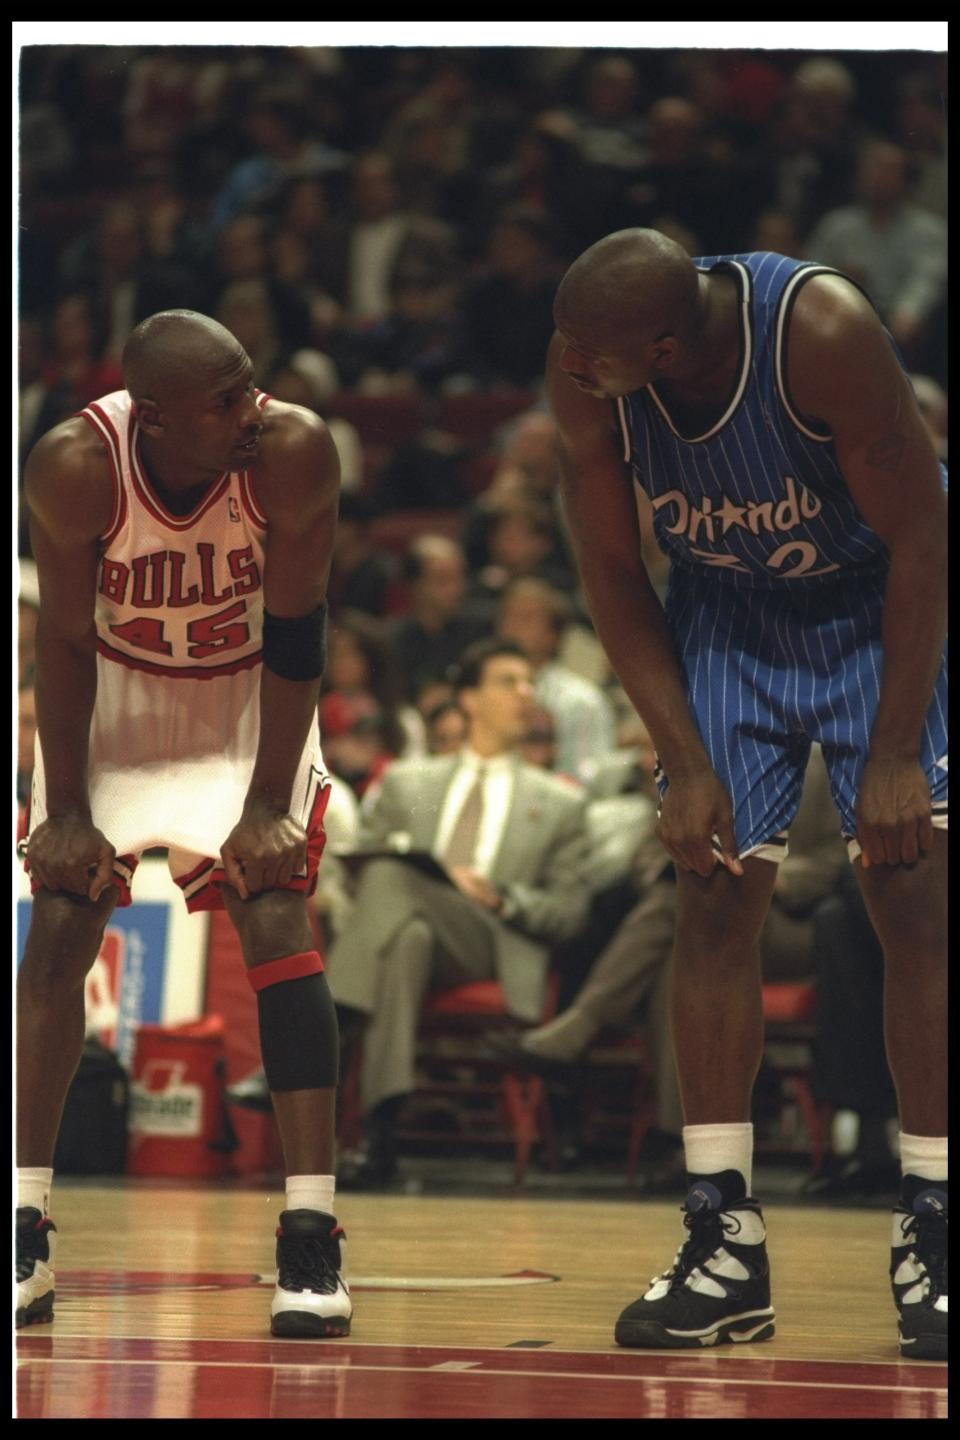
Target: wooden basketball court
(472, 1308)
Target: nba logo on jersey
(233, 509)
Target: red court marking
(100, 1378)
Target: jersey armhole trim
(624, 428)
(102, 426)
(250, 503)
(785, 306)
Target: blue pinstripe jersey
(759, 499)
(775, 602)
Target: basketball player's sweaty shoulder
(68, 485)
(297, 473)
(840, 361)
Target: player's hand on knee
(696, 824)
(265, 849)
(68, 852)
(894, 818)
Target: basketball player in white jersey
(183, 532)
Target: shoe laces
(926, 1234)
(307, 1262)
(707, 1233)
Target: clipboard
(421, 860)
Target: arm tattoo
(886, 453)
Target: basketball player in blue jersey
(759, 404)
(183, 532)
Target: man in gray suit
(509, 843)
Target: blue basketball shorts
(767, 673)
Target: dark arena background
(383, 222)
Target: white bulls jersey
(179, 621)
(178, 595)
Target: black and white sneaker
(718, 1290)
(35, 1250)
(311, 1299)
(918, 1271)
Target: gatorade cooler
(177, 1119)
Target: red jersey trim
(177, 672)
(249, 499)
(151, 502)
(103, 428)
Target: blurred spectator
(539, 744)
(527, 469)
(415, 345)
(171, 88)
(356, 740)
(242, 254)
(688, 182)
(777, 231)
(508, 309)
(813, 142)
(112, 263)
(360, 700)
(383, 241)
(537, 175)
(433, 695)
(922, 131)
(362, 575)
(607, 140)
(534, 616)
(523, 541)
(896, 251)
(306, 252)
(246, 310)
(432, 637)
(446, 728)
(283, 149)
(76, 370)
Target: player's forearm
(287, 711)
(66, 688)
(914, 629)
(633, 630)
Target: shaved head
(174, 349)
(638, 280)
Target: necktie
(463, 839)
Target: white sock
(924, 1156)
(33, 1188)
(708, 1149)
(311, 1192)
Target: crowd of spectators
(383, 229)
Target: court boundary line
(726, 1355)
(496, 1374)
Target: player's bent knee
(271, 924)
(298, 1023)
(65, 935)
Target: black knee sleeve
(298, 1034)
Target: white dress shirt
(498, 783)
